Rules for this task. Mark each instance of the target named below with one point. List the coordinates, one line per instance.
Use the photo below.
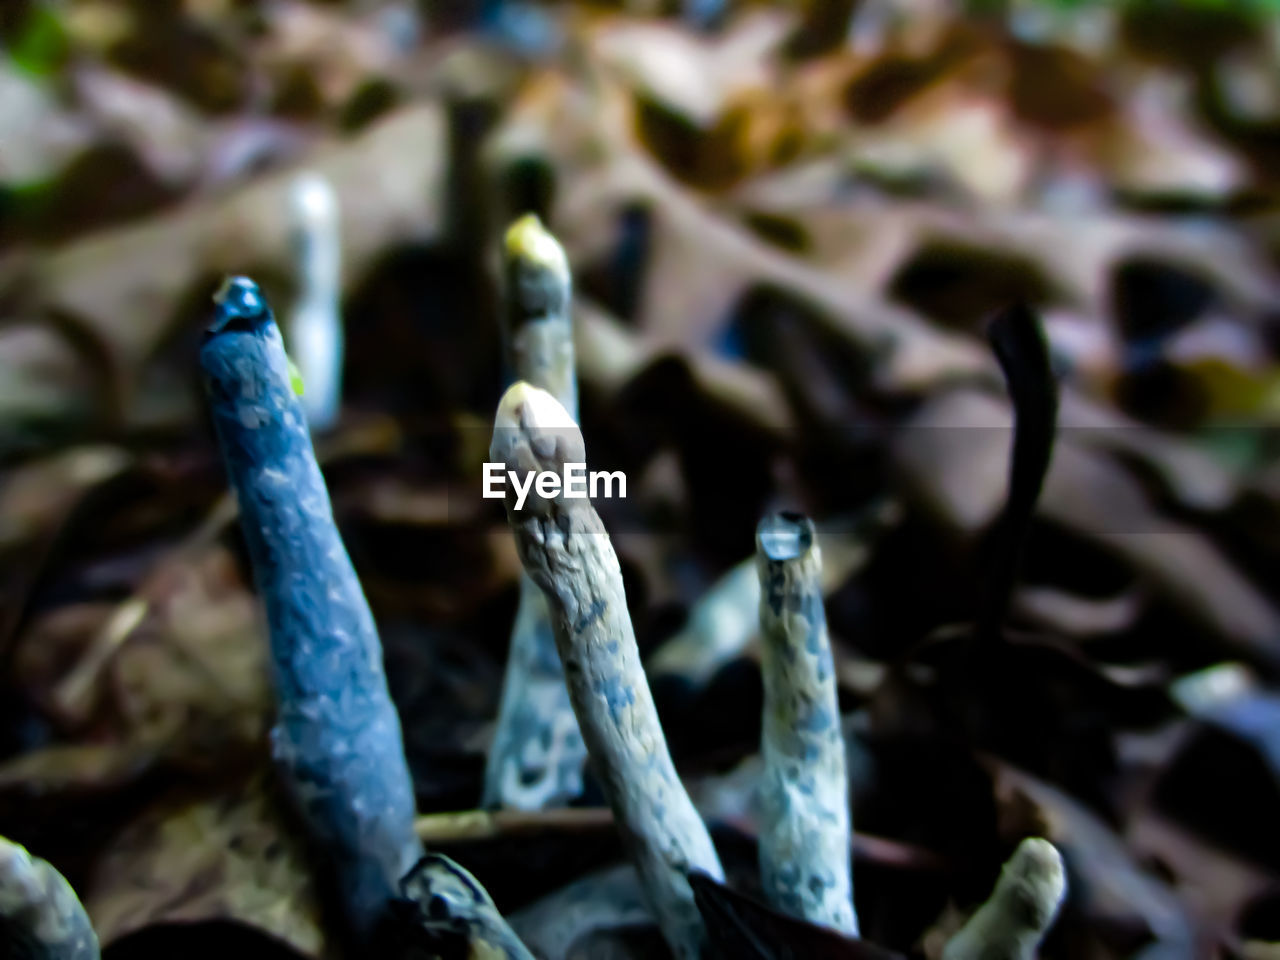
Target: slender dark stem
(1022, 350)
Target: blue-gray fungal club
(337, 740)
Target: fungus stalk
(337, 740)
(720, 627)
(41, 918)
(565, 549)
(455, 915)
(804, 794)
(537, 754)
(1022, 908)
(1022, 349)
(314, 331)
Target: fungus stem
(565, 549)
(41, 918)
(337, 740)
(452, 905)
(720, 626)
(1020, 911)
(1022, 350)
(314, 331)
(537, 754)
(804, 793)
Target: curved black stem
(1020, 345)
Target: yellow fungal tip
(526, 405)
(527, 239)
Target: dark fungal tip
(238, 304)
(785, 535)
(1018, 339)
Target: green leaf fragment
(295, 376)
(40, 44)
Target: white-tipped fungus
(1020, 911)
(565, 549)
(314, 332)
(805, 828)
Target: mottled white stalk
(804, 792)
(725, 619)
(537, 754)
(719, 628)
(41, 917)
(314, 332)
(565, 549)
(1020, 911)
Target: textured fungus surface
(453, 908)
(41, 917)
(565, 549)
(1021, 909)
(537, 754)
(337, 738)
(804, 793)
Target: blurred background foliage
(788, 223)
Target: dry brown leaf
(1213, 883)
(872, 238)
(166, 133)
(1065, 614)
(125, 284)
(1189, 474)
(702, 263)
(230, 858)
(76, 769)
(36, 135)
(42, 381)
(692, 76)
(180, 667)
(336, 53)
(954, 454)
(1157, 147)
(610, 355)
(38, 492)
(1106, 883)
(971, 140)
(197, 679)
